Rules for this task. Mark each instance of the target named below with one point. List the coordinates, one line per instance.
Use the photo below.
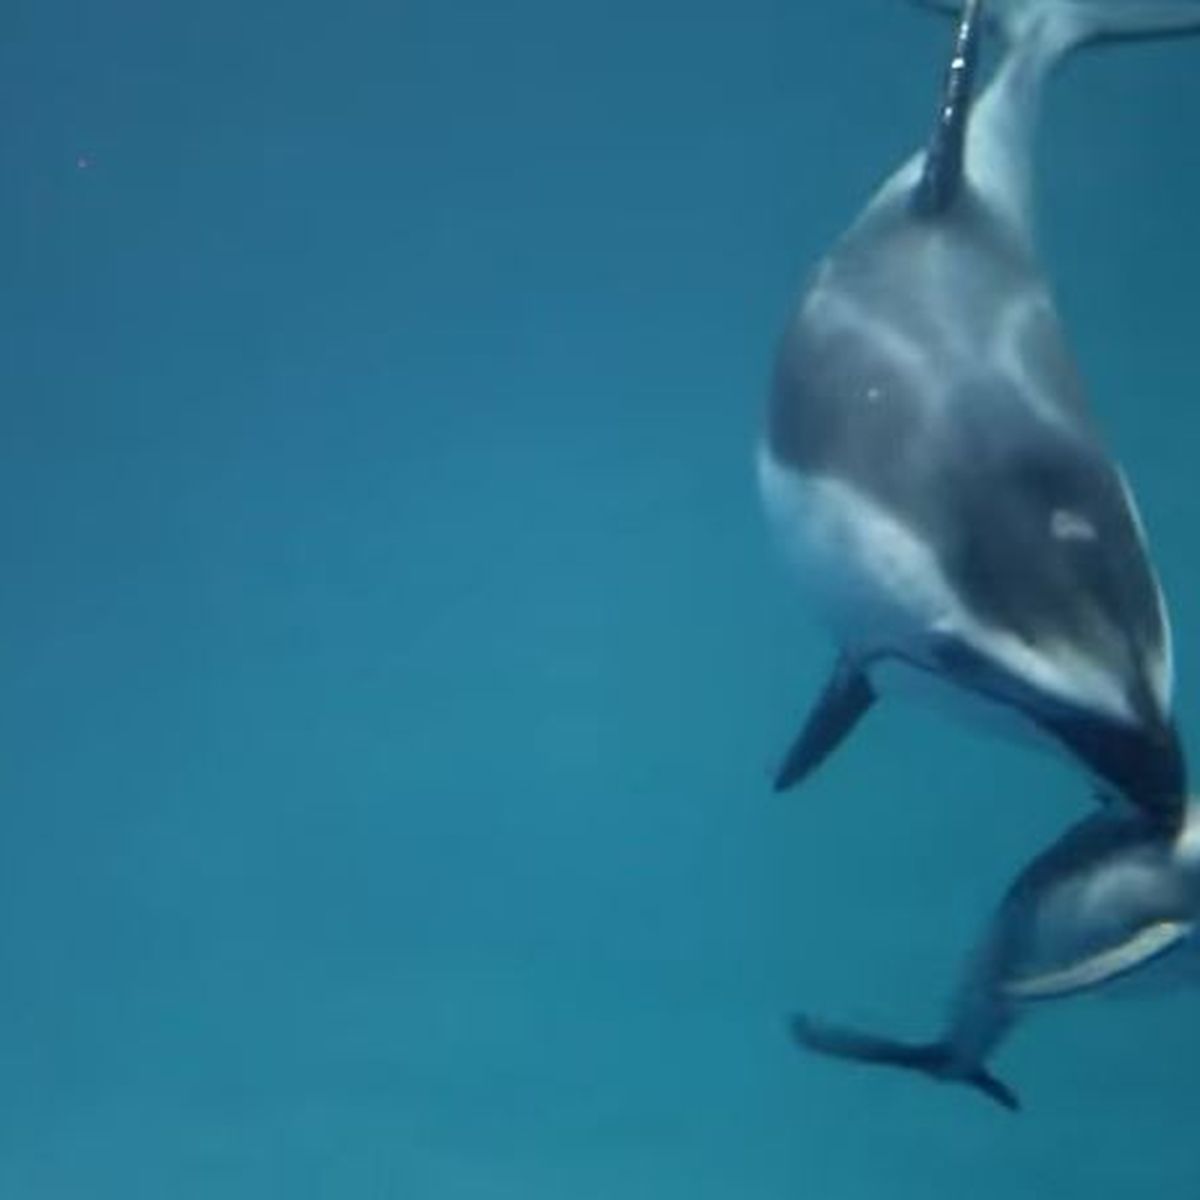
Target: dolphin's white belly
(867, 578)
(879, 588)
(875, 586)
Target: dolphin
(929, 464)
(1111, 896)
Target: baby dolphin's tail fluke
(934, 1059)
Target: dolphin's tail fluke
(1066, 24)
(1039, 34)
(934, 1059)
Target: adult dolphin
(1107, 899)
(929, 461)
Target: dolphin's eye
(1069, 526)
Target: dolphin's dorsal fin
(1147, 943)
(941, 176)
(846, 698)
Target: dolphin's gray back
(928, 373)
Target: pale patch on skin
(1069, 526)
(932, 342)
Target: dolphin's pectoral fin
(934, 1059)
(1148, 943)
(846, 698)
(943, 170)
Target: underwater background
(395, 660)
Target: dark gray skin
(929, 455)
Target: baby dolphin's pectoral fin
(846, 698)
(934, 1059)
(1149, 942)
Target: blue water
(395, 660)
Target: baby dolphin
(929, 463)
(1110, 896)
